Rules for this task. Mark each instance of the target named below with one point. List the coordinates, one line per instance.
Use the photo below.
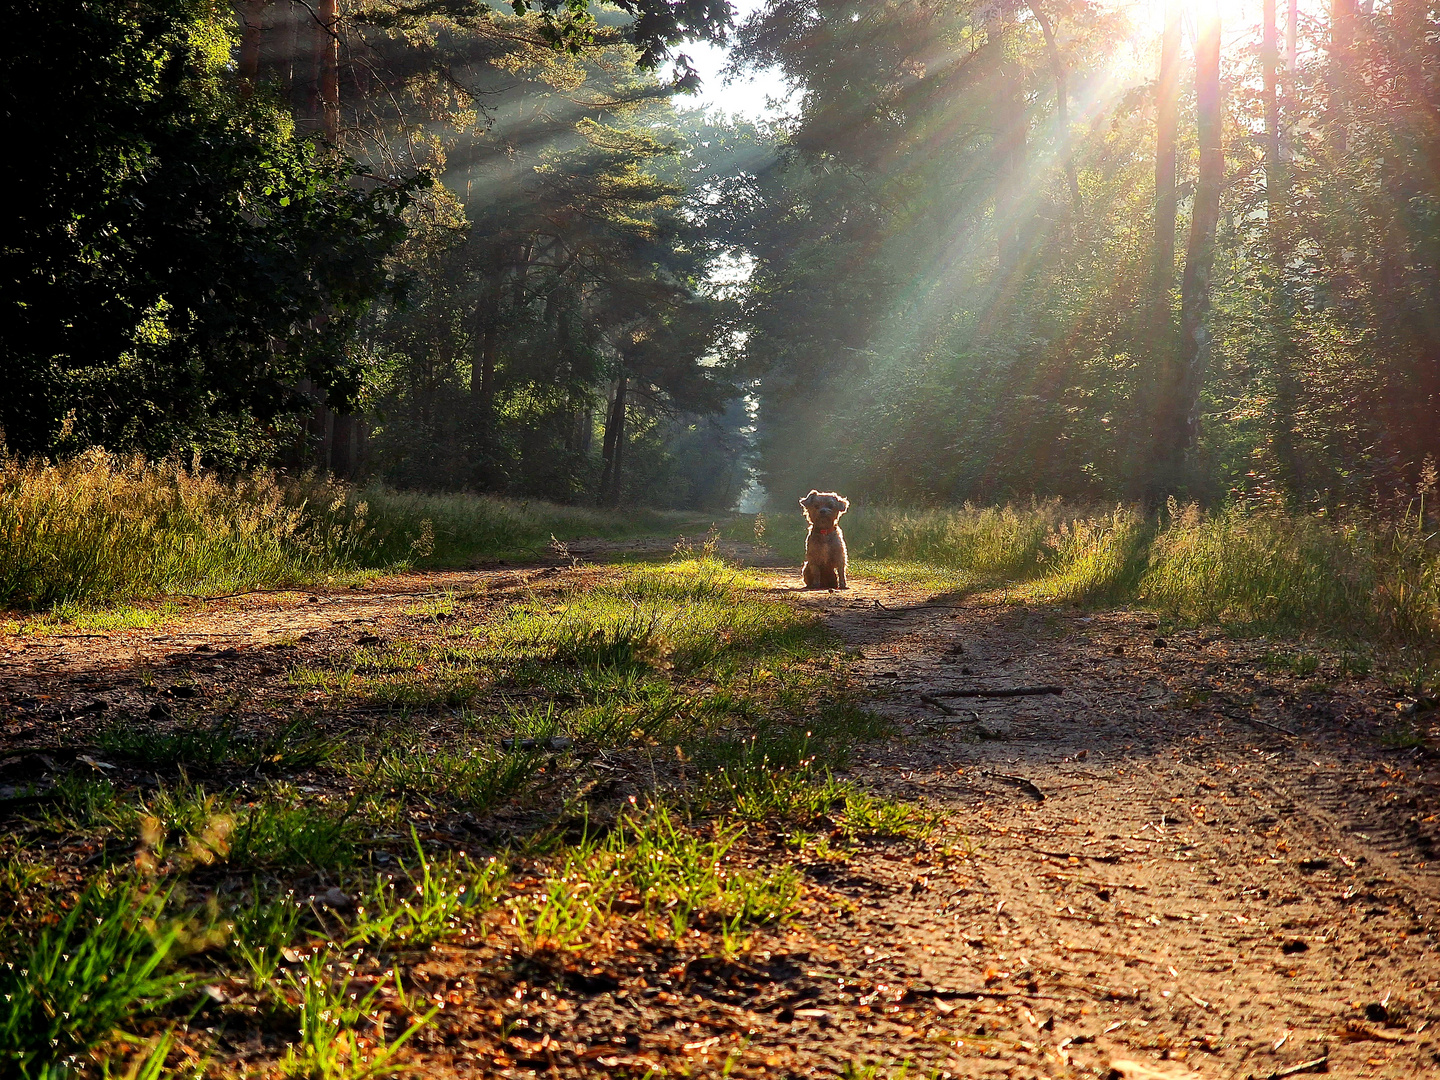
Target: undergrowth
(1268, 571)
(98, 528)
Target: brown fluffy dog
(824, 544)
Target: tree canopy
(993, 250)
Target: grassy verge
(615, 766)
(97, 529)
(1269, 572)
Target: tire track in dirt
(1197, 892)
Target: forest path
(1189, 860)
(1198, 890)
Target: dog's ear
(842, 503)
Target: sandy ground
(1182, 862)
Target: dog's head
(823, 508)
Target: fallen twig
(1081, 855)
(1261, 723)
(928, 700)
(1020, 782)
(1009, 691)
(1320, 1064)
(882, 612)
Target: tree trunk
(1156, 319)
(1008, 149)
(1167, 123)
(1282, 359)
(1178, 419)
(309, 62)
(1342, 36)
(487, 346)
(1062, 107)
(329, 15)
(252, 17)
(1269, 74)
(613, 449)
(1292, 37)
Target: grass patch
(474, 780)
(650, 864)
(97, 529)
(1360, 578)
(215, 746)
(328, 1047)
(182, 826)
(101, 965)
(624, 750)
(71, 616)
(813, 798)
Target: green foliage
(178, 260)
(554, 278)
(954, 293)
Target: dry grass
(98, 528)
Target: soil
(1187, 862)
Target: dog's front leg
(840, 576)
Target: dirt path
(1196, 884)
(1184, 861)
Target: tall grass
(1263, 570)
(98, 527)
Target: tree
(1177, 423)
(176, 261)
(570, 272)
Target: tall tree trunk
(1292, 37)
(309, 61)
(487, 346)
(613, 449)
(252, 19)
(1008, 148)
(287, 47)
(1178, 418)
(1167, 127)
(1269, 75)
(1157, 322)
(1342, 37)
(483, 362)
(329, 15)
(1062, 107)
(1287, 395)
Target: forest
(990, 251)
(407, 665)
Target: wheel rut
(1198, 892)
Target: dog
(824, 544)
